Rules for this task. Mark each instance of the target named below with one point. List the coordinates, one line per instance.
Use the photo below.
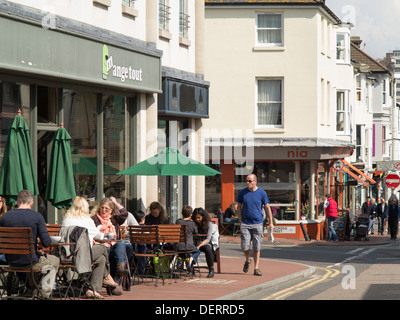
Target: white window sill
(269, 130)
(269, 48)
(164, 34)
(129, 11)
(185, 42)
(105, 3)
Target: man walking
(330, 207)
(380, 212)
(251, 201)
(23, 217)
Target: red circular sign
(392, 180)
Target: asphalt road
(342, 272)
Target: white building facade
(124, 77)
(284, 100)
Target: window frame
(345, 48)
(281, 102)
(272, 44)
(345, 112)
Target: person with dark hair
(191, 229)
(24, 216)
(157, 214)
(210, 244)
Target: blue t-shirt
(252, 204)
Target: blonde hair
(4, 207)
(105, 201)
(79, 208)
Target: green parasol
(17, 171)
(60, 188)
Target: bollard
(306, 236)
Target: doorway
(44, 145)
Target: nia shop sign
(124, 73)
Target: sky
(377, 22)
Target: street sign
(338, 165)
(392, 181)
(388, 165)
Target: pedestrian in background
(380, 214)
(251, 201)
(372, 216)
(330, 207)
(393, 218)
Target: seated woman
(78, 215)
(156, 214)
(230, 215)
(107, 220)
(210, 244)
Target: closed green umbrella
(17, 171)
(169, 162)
(60, 188)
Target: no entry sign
(392, 181)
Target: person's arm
(269, 213)
(42, 232)
(239, 212)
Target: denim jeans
(331, 231)
(116, 254)
(381, 224)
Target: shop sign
(392, 181)
(284, 230)
(338, 165)
(117, 71)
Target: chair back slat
(16, 241)
(53, 229)
(143, 234)
(169, 233)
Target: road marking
(329, 273)
(361, 254)
(355, 251)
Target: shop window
(280, 180)
(80, 114)
(114, 146)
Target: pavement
(232, 283)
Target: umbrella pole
(169, 198)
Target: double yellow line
(329, 273)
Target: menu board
(342, 224)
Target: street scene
(202, 157)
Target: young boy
(191, 229)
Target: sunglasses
(250, 181)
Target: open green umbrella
(169, 162)
(88, 166)
(17, 171)
(60, 188)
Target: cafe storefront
(295, 177)
(94, 85)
